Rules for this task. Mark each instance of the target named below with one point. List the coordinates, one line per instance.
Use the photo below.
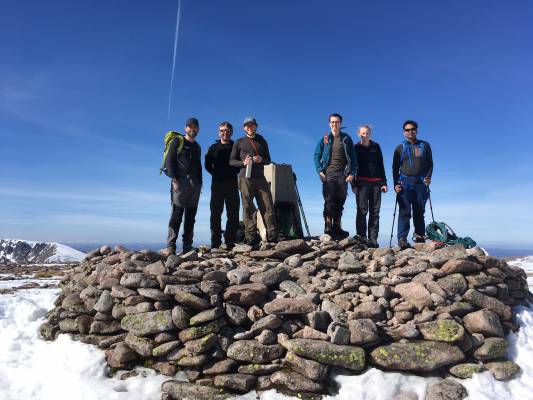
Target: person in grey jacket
(336, 164)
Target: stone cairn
(293, 313)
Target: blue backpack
(406, 150)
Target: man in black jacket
(251, 151)
(412, 167)
(224, 187)
(369, 184)
(184, 167)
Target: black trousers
(224, 192)
(184, 204)
(188, 226)
(334, 190)
(368, 199)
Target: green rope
(441, 232)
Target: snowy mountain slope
(15, 251)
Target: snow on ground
(33, 369)
(15, 283)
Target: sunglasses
(410, 130)
(224, 130)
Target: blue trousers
(413, 196)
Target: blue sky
(84, 97)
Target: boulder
(415, 294)
(295, 382)
(206, 316)
(201, 345)
(491, 349)
(141, 346)
(308, 368)
(273, 253)
(453, 284)
(180, 317)
(251, 351)
(445, 330)
(447, 389)
(439, 257)
(236, 382)
(271, 276)
(489, 303)
(191, 301)
(154, 294)
(197, 332)
(246, 294)
(349, 357)
(184, 390)
(503, 370)
(291, 306)
(420, 356)
(259, 369)
(236, 315)
(148, 323)
(293, 246)
(363, 331)
(348, 262)
(105, 302)
(368, 310)
(460, 266)
(485, 322)
(467, 370)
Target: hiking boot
(419, 238)
(403, 243)
(215, 245)
(255, 243)
(373, 243)
(338, 232)
(169, 251)
(226, 246)
(187, 248)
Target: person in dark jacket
(412, 167)
(369, 184)
(184, 167)
(224, 187)
(251, 151)
(336, 164)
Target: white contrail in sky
(176, 35)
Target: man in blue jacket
(336, 165)
(412, 167)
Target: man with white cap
(251, 151)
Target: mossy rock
(416, 356)
(491, 349)
(466, 370)
(446, 330)
(350, 357)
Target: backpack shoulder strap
(405, 150)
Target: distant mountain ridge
(16, 251)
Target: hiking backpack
(169, 137)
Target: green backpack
(169, 137)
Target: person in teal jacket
(336, 165)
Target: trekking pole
(430, 204)
(301, 205)
(393, 220)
